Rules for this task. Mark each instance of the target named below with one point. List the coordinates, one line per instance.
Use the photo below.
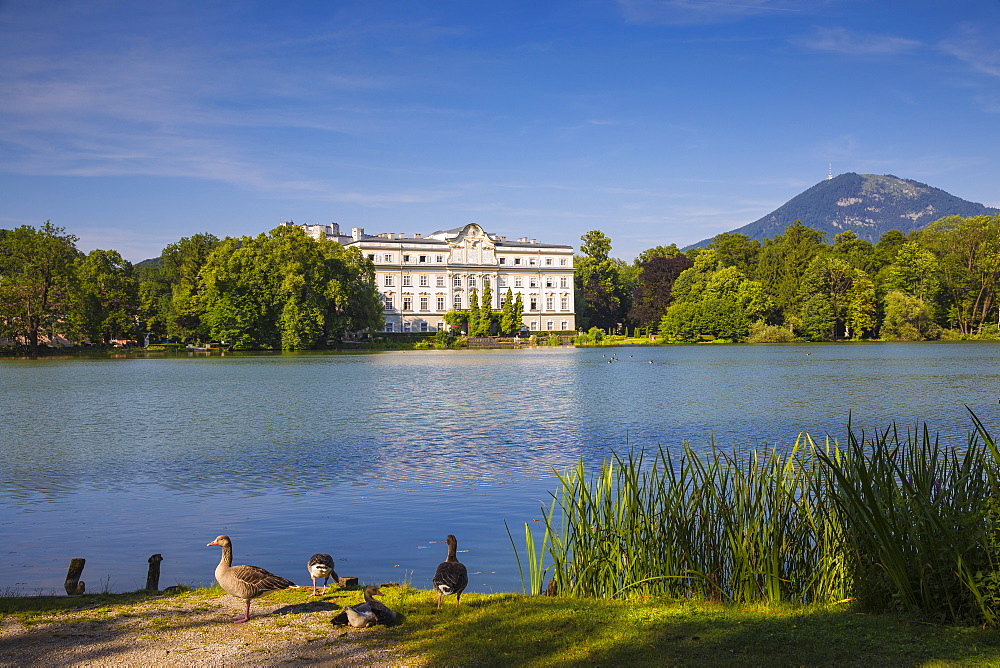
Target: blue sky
(133, 124)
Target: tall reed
(898, 523)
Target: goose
(368, 613)
(451, 576)
(246, 582)
(321, 566)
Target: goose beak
(212, 543)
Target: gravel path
(193, 631)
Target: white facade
(423, 277)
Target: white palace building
(423, 277)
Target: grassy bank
(898, 521)
(512, 629)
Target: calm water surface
(375, 458)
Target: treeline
(280, 290)
(941, 281)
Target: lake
(376, 457)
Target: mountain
(869, 204)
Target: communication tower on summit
(829, 175)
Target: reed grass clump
(896, 521)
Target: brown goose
(451, 576)
(246, 582)
(321, 566)
(368, 613)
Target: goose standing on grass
(246, 582)
(368, 613)
(451, 576)
(321, 566)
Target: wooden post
(73, 584)
(153, 576)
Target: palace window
(472, 281)
(517, 260)
(548, 305)
(407, 303)
(423, 280)
(371, 256)
(548, 262)
(387, 257)
(423, 326)
(532, 282)
(531, 261)
(549, 325)
(458, 302)
(406, 258)
(406, 326)
(388, 302)
(422, 258)
(564, 304)
(562, 281)
(549, 282)
(564, 324)
(534, 303)
(388, 326)
(518, 282)
(388, 280)
(423, 303)
(457, 282)
(439, 281)
(440, 303)
(503, 260)
(501, 281)
(440, 325)
(562, 262)
(439, 258)
(534, 325)
(406, 280)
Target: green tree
(508, 324)
(914, 271)
(968, 254)
(862, 315)
(36, 278)
(598, 283)
(475, 319)
(665, 252)
(907, 318)
(458, 320)
(783, 262)
(856, 252)
(736, 250)
(286, 290)
(180, 268)
(712, 300)
(106, 297)
(486, 319)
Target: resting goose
(451, 576)
(321, 566)
(246, 582)
(368, 613)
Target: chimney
(416, 236)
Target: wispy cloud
(841, 40)
(974, 49)
(688, 12)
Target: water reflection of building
(423, 277)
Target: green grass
(514, 629)
(898, 521)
